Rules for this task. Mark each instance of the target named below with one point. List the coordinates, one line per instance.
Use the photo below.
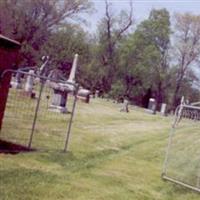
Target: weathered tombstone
(163, 108)
(84, 95)
(59, 100)
(152, 105)
(16, 81)
(61, 90)
(125, 106)
(59, 97)
(29, 82)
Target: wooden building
(8, 60)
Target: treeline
(160, 57)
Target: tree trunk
(159, 96)
(175, 96)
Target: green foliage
(117, 60)
(33, 21)
(144, 55)
(186, 51)
(111, 29)
(63, 44)
(117, 90)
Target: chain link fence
(182, 162)
(39, 111)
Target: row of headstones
(60, 90)
(59, 97)
(163, 109)
(17, 81)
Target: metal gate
(182, 161)
(39, 111)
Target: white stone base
(58, 109)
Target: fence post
(171, 134)
(71, 119)
(36, 114)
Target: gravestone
(29, 82)
(152, 105)
(163, 108)
(16, 81)
(84, 95)
(61, 90)
(59, 100)
(125, 106)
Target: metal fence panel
(31, 119)
(182, 162)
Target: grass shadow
(12, 148)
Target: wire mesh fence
(182, 162)
(39, 111)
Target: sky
(141, 8)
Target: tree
(144, 58)
(187, 49)
(32, 21)
(110, 31)
(68, 41)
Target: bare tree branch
(129, 22)
(187, 46)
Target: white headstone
(29, 81)
(163, 108)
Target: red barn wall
(8, 60)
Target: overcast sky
(142, 8)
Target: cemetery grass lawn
(113, 156)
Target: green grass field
(112, 156)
